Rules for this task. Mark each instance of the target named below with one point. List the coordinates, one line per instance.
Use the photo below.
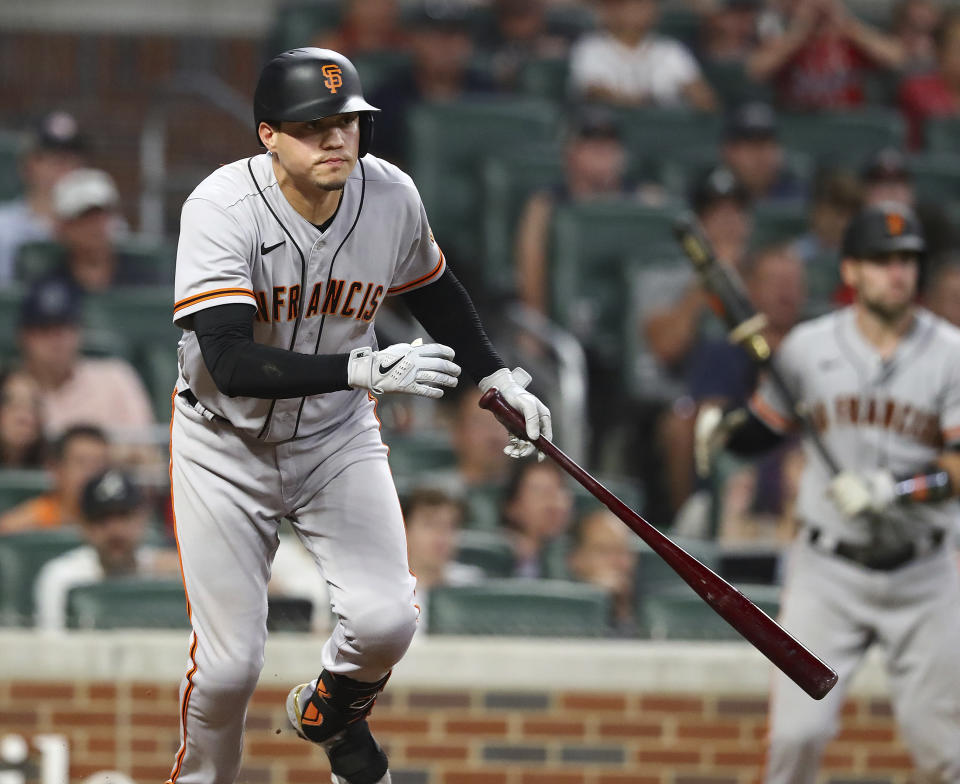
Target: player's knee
(382, 633)
(228, 688)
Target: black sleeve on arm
(243, 368)
(753, 437)
(446, 311)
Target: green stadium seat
(840, 136)
(298, 22)
(654, 575)
(21, 557)
(527, 608)
(509, 179)
(156, 362)
(150, 260)
(651, 134)
(128, 603)
(680, 23)
(448, 143)
(682, 615)
(775, 225)
(545, 78)
(490, 550)
(732, 84)
(483, 506)
(943, 135)
(936, 176)
(591, 244)
(17, 485)
(139, 314)
(418, 453)
(289, 614)
(11, 147)
(377, 67)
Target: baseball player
(283, 262)
(880, 381)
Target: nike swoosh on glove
(512, 386)
(411, 368)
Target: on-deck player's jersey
(241, 241)
(871, 413)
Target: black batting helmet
(886, 227)
(307, 84)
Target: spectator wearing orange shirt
(75, 457)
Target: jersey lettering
(332, 299)
(294, 302)
(893, 415)
(355, 287)
(278, 301)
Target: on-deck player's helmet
(885, 227)
(307, 84)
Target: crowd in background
(87, 419)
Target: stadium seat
(483, 506)
(490, 550)
(655, 576)
(289, 614)
(21, 557)
(509, 179)
(936, 176)
(447, 145)
(11, 146)
(128, 603)
(152, 261)
(377, 67)
(651, 134)
(592, 243)
(414, 454)
(297, 23)
(732, 84)
(775, 225)
(156, 363)
(513, 607)
(841, 136)
(139, 314)
(682, 615)
(545, 78)
(943, 135)
(17, 485)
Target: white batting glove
(413, 368)
(855, 493)
(710, 434)
(512, 385)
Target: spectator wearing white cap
(54, 148)
(88, 224)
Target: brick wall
(459, 736)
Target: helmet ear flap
(366, 133)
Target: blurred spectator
(366, 26)
(728, 33)
(519, 33)
(433, 520)
(836, 196)
(595, 165)
(935, 94)
(941, 292)
(752, 150)
(114, 520)
(81, 452)
(914, 23)
(628, 63)
(537, 512)
(479, 441)
(21, 422)
(442, 49)
(87, 226)
(55, 148)
(601, 553)
(817, 54)
(886, 176)
(77, 390)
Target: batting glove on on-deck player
(512, 385)
(855, 493)
(413, 368)
(710, 434)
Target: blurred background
(553, 143)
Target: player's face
(885, 285)
(319, 154)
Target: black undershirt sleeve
(445, 310)
(753, 437)
(240, 367)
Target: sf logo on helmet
(895, 224)
(333, 77)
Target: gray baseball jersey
(871, 413)
(241, 241)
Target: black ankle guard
(356, 756)
(337, 703)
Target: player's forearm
(753, 437)
(446, 311)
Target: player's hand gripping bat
(798, 663)
(731, 303)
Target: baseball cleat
(355, 757)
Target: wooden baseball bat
(787, 653)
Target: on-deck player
(873, 562)
(283, 262)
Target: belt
(201, 409)
(871, 557)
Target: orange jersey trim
(432, 274)
(769, 414)
(215, 293)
